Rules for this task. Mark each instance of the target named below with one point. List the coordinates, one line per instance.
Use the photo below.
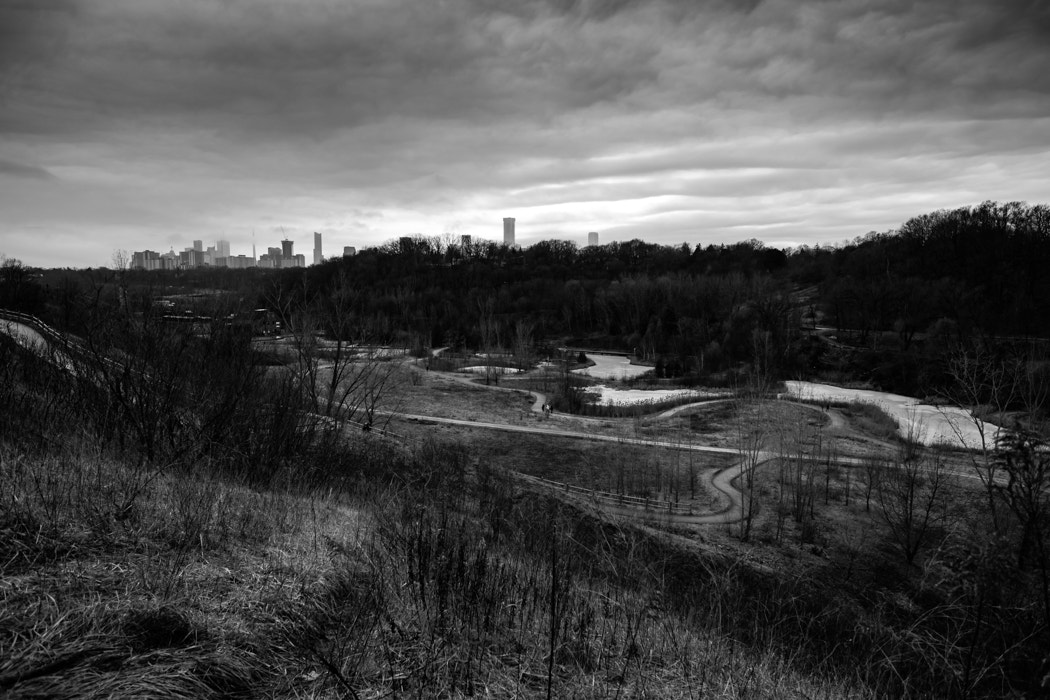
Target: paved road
(23, 335)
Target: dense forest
(886, 309)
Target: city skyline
(220, 255)
(669, 121)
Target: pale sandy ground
(611, 367)
(610, 396)
(482, 369)
(930, 425)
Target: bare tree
(341, 369)
(523, 330)
(751, 440)
(999, 383)
(874, 468)
(911, 497)
(1023, 458)
(488, 327)
(981, 379)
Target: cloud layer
(132, 124)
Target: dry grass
(431, 394)
(421, 572)
(128, 583)
(121, 583)
(872, 420)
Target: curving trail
(722, 481)
(23, 335)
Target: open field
(438, 394)
(633, 470)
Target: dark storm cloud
(27, 31)
(273, 67)
(280, 67)
(601, 10)
(32, 172)
(666, 116)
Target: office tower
(508, 231)
(222, 249)
(170, 260)
(198, 246)
(592, 238)
(146, 260)
(349, 251)
(317, 248)
(240, 262)
(271, 258)
(286, 249)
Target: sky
(146, 124)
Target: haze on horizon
(135, 124)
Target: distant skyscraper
(198, 246)
(170, 260)
(592, 238)
(508, 231)
(286, 249)
(349, 251)
(146, 260)
(222, 249)
(317, 248)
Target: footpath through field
(722, 481)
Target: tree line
(897, 303)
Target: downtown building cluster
(281, 257)
(219, 256)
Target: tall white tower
(592, 238)
(317, 248)
(508, 231)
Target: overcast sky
(135, 124)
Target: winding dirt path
(722, 481)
